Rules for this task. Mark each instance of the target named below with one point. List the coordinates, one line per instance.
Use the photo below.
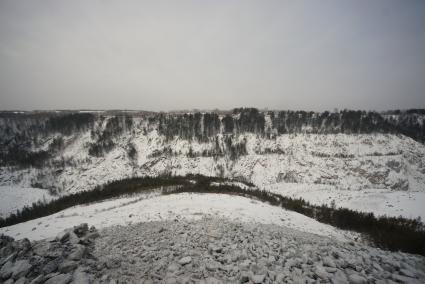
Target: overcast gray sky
(164, 55)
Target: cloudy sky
(166, 55)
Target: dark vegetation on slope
(103, 140)
(21, 134)
(394, 233)
(250, 120)
(102, 192)
(409, 123)
(69, 123)
(23, 131)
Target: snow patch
(13, 198)
(124, 211)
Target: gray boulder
(327, 261)
(173, 267)
(9, 281)
(6, 270)
(21, 268)
(78, 252)
(357, 279)
(39, 279)
(80, 277)
(48, 249)
(10, 257)
(408, 273)
(258, 278)
(60, 279)
(22, 280)
(321, 273)
(67, 266)
(50, 267)
(212, 280)
(212, 265)
(81, 229)
(185, 260)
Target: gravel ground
(209, 250)
(222, 251)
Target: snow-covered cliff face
(70, 152)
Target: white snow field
(369, 177)
(408, 204)
(13, 198)
(355, 162)
(142, 208)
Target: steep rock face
(76, 151)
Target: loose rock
(185, 260)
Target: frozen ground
(142, 208)
(13, 198)
(409, 204)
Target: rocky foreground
(204, 251)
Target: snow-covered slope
(14, 198)
(151, 207)
(408, 204)
(72, 152)
(357, 160)
(346, 161)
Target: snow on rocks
(55, 260)
(209, 250)
(365, 161)
(382, 173)
(216, 250)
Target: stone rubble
(207, 251)
(61, 260)
(222, 251)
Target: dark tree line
(70, 123)
(230, 147)
(102, 192)
(104, 138)
(203, 127)
(346, 121)
(28, 130)
(20, 155)
(20, 133)
(394, 233)
(189, 126)
(410, 123)
(250, 120)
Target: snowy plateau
(364, 161)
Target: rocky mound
(204, 251)
(220, 251)
(61, 260)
